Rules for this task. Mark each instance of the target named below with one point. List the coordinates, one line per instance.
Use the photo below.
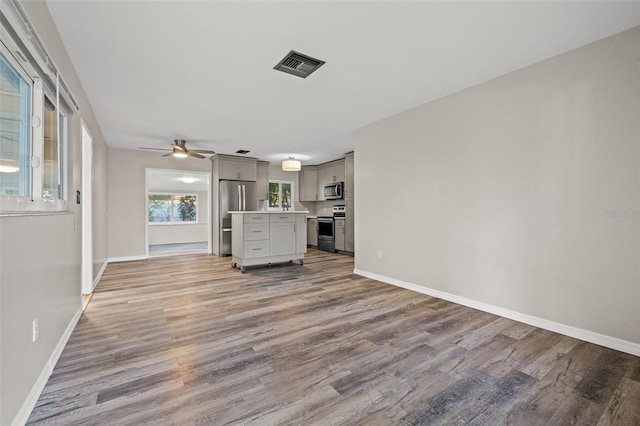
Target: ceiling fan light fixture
(291, 165)
(180, 155)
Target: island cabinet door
(301, 233)
(283, 238)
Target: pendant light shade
(291, 165)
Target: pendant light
(291, 165)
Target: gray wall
(502, 193)
(40, 254)
(126, 181)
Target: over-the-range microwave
(334, 191)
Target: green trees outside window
(173, 208)
(280, 195)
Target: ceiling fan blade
(203, 151)
(168, 154)
(155, 149)
(179, 148)
(194, 154)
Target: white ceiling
(155, 71)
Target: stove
(326, 228)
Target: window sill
(40, 213)
(23, 206)
(174, 223)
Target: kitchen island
(267, 237)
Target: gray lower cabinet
(349, 241)
(312, 232)
(339, 234)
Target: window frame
(280, 182)
(14, 200)
(34, 201)
(171, 222)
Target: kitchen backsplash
(325, 208)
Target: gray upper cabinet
(330, 173)
(348, 179)
(335, 172)
(322, 179)
(308, 183)
(235, 168)
(263, 180)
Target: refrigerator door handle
(244, 198)
(239, 198)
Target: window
(34, 105)
(280, 195)
(175, 208)
(52, 159)
(15, 131)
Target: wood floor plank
(188, 340)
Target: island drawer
(256, 231)
(256, 218)
(279, 218)
(256, 249)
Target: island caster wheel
(269, 265)
(290, 261)
(301, 261)
(233, 265)
(243, 269)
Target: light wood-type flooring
(189, 340)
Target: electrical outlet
(35, 330)
(379, 254)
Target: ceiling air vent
(298, 64)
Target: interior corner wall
(521, 193)
(40, 254)
(127, 197)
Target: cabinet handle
(256, 232)
(256, 249)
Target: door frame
(146, 205)
(86, 206)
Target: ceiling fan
(179, 150)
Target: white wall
(500, 194)
(127, 196)
(167, 233)
(40, 255)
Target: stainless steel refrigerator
(234, 196)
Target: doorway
(178, 212)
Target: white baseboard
(127, 258)
(578, 333)
(29, 403)
(97, 279)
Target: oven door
(326, 234)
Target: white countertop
(272, 212)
